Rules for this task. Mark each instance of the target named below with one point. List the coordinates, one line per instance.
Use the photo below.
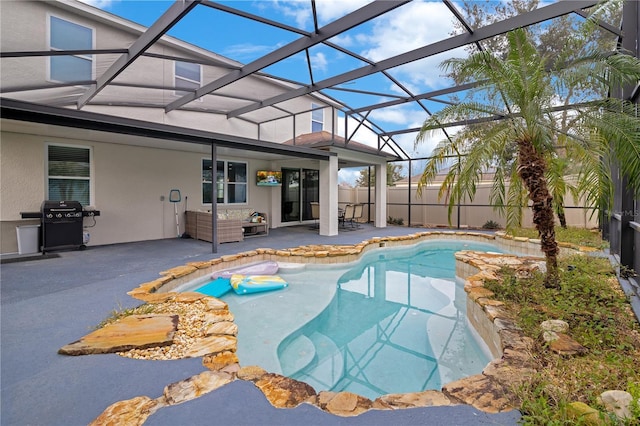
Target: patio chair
(315, 214)
(357, 215)
(347, 216)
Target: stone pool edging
(490, 391)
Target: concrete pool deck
(49, 302)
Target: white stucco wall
(128, 183)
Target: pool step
(298, 354)
(327, 367)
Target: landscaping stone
(344, 404)
(580, 411)
(212, 345)
(132, 332)
(194, 387)
(618, 402)
(429, 398)
(565, 345)
(557, 326)
(219, 361)
(131, 412)
(284, 392)
(481, 392)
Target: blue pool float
(247, 284)
(216, 288)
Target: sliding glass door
(300, 187)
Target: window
(65, 35)
(317, 118)
(188, 76)
(231, 182)
(69, 173)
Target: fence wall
(429, 211)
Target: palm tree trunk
(531, 169)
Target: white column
(329, 196)
(381, 196)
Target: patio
(49, 302)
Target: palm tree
(521, 131)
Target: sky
(408, 27)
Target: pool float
(268, 267)
(216, 288)
(247, 284)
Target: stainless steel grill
(61, 225)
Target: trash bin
(28, 239)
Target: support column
(329, 196)
(214, 199)
(381, 196)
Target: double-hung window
(188, 76)
(230, 182)
(317, 118)
(65, 35)
(69, 173)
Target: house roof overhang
(36, 113)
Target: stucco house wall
(129, 181)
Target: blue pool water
(393, 322)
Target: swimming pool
(392, 322)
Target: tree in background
(394, 174)
(519, 86)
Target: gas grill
(61, 225)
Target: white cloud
(348, 176)
(408, 28)
(329, 10)
(319, 61)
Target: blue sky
(408, 27)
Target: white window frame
(177, 77)
(314, 120)
(90, 58)
(90, 179)
(225, 183)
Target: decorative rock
(481, 392)
(508, 373)
(179, 271)
(218, 316)
(188, 297)
(550, 336)
(212, 345)
(515, 339)
(131, 412)
(132, 332)
(347, 404)
(565, 345)
(251, 373)
(557, 326)
(580, 411)
(478, 292)
(153, 297)
(220, 360)
(429, 398)
(494, 312)
(194, 387)
(223, 327)
(618, 402)
(283, 392)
